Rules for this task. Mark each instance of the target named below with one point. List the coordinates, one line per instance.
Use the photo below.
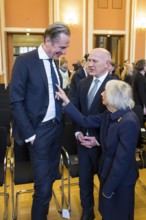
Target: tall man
(37, 115)
(98, 64)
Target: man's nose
(64, 51)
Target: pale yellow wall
(109, 14)
(74, 52)
(35, 14)
(27, 13)
(140, 49)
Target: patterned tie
(92, 92)
(58, 103)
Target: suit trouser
(45, 156)
(88, 166)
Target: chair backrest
(2, 87)
(69, 141)
(3, 143)
(23, 169)
(4, 95)
(5, 118)
(21, 153)
(4, 104)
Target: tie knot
(96, 81)
(50, 60)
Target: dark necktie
(58, 103)
(92, 92)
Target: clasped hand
(87, 141)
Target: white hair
(119, 94)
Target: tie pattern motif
(58, 103)
(92, 92)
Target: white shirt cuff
(30, 139)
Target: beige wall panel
(140, 49)
(28, 13)
(109, 14)
(74, 52)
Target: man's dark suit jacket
(78, 75)
(29, 96)
(139, 89)
(96, 106)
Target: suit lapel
(98, 94)
(40, 66)
(85, 91)
(59, 74)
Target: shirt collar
(101, 78)
(42, 53)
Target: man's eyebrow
(94, 60)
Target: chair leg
(142, 184)
(13, 204)
(16, 204)
(6, 197)
(59, 208)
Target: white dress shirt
(101, 79)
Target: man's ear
(47, 40)
(108, 63)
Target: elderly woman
(119, 132)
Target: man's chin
(91, 73)
(56, 57)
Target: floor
(26, 199)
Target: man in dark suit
(78, 75)
(98, 63)
(139, 85)
(37, 114)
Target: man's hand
(80, 137)
(144, 110)
(89, 142)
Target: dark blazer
(139, 89)
(29, 97)
(119, 135)
(78, 75)
(96, 106)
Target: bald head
(102, 53)
(98, 61)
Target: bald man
(98, 64)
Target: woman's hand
(61, 95)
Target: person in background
(128, 76)
(65, 73)
(77, 65)
(37, 114)
(77, 76)
(139, 84)
(83, 63)
(88, 101)
(112, 70)
(124, 66)
(119, 133)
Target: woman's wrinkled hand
(61, 95)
